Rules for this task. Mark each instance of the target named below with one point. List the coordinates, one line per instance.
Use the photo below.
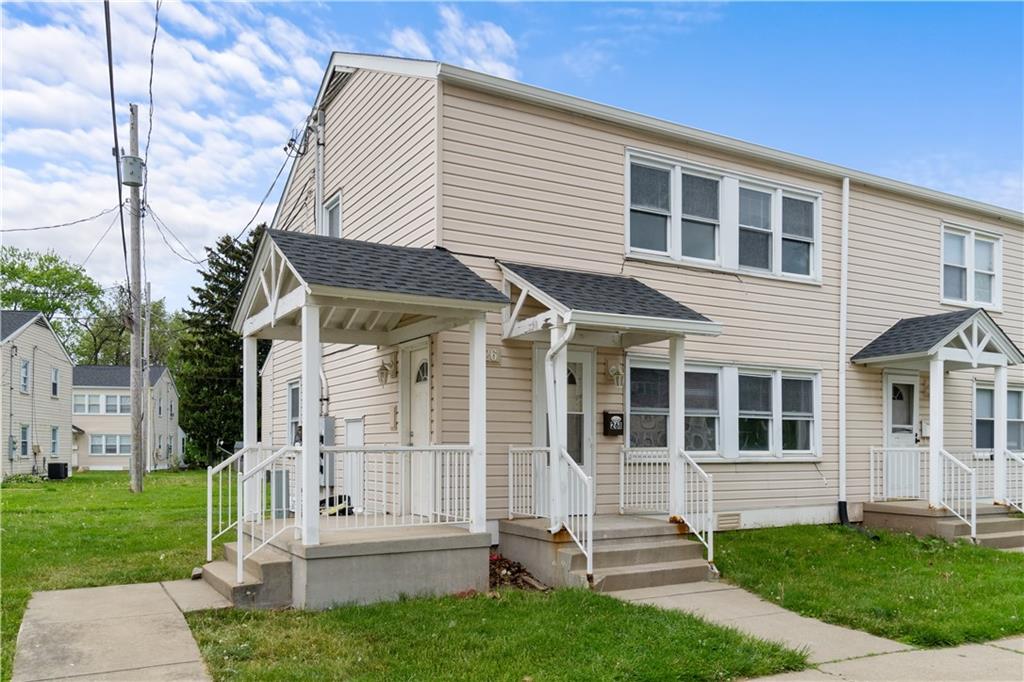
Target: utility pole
(146, 388)
(137, 461)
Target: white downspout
(321, 229)
(844, 270)
(554, 459)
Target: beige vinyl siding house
(427, 155)
(35, 394)
(101, 407)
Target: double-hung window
(700, 203)
(95, 444)
(984, 419)
(78, 403)
(126, 404)
(332, 216)
(111, 403)
(648, 407)
(54, 382)
(755, 413)
(24, 440)
(54, 439)
(293, 413)
(971, 272)
(797, 414)
(650, 207)
(94, 403)
(26, 373)
(722, 219)
(701, 407)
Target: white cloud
(479, 45)
(963, 175)
(408, 42)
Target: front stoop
(998, 526)
(628, 554)
(267, 578)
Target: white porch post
(249, 410)
(676, 426)
(478, 424)
(310, 398)
(554, 377)
(999, 442)
(936, 389)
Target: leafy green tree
(209, 353)
(106, 338)
(43, 281)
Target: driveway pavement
(120, 632)
(837, 653)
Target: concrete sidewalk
(838, 653)
(120, 632)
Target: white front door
(421, 469)
(902, 460)
(580, 402)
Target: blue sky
(928, 93)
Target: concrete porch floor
(997, 525)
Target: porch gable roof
(917, 337)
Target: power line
(117, 146)
(149, 137)
(264, 199)
(160, 227)
(67, 224)
(98, 241)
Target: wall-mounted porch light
(618, 375)
(388, 370)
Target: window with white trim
(293, 412)
(730, 412)
(110, 444)
(54, 439)
(54, 381)
(125, 404)
(26, 373)
(971, 267)
(984, 419)
(78, 403)
(720, 219)
(332, 215)
(25, 433)
(110, 404)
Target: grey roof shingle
(13, 320)
(353, 264)
(110, 376)
(591, 292)
(914, 334)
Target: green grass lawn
(515, 635)
(90, 530)
(921, 591)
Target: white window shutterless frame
(971, 272)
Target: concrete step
(1002, 540)
(647, 575)
(631, 552)
(252, 592)
(986, 524)
(267, 564)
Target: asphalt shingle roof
(353, 264)
(591, 292)
(110, 376)
(914, 335)
(13, 320)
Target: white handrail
(959, 492)
(394, 448)
(897, 473)
(527, 481)
(643, 480)
(254, 512)
(699, 503)
(579, 495)
(230, 464)
(1015, 480)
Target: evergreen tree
(209, 352)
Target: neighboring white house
(36, 394)
(102, 418)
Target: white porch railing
(643, 481)
(959, 490)
(898, 474)
(221, 505)
(577, 513)
(699, 503)
(274, 485)
(528, 481)
(1015, 480)
(373, 487)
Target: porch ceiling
(366, 293)
(608, 310)
(965, 339)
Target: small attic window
(332, 215)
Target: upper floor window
(26, 373)
(971, 267)
(94, 403)
(722, 220)
(54, 381)
(332, 216)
